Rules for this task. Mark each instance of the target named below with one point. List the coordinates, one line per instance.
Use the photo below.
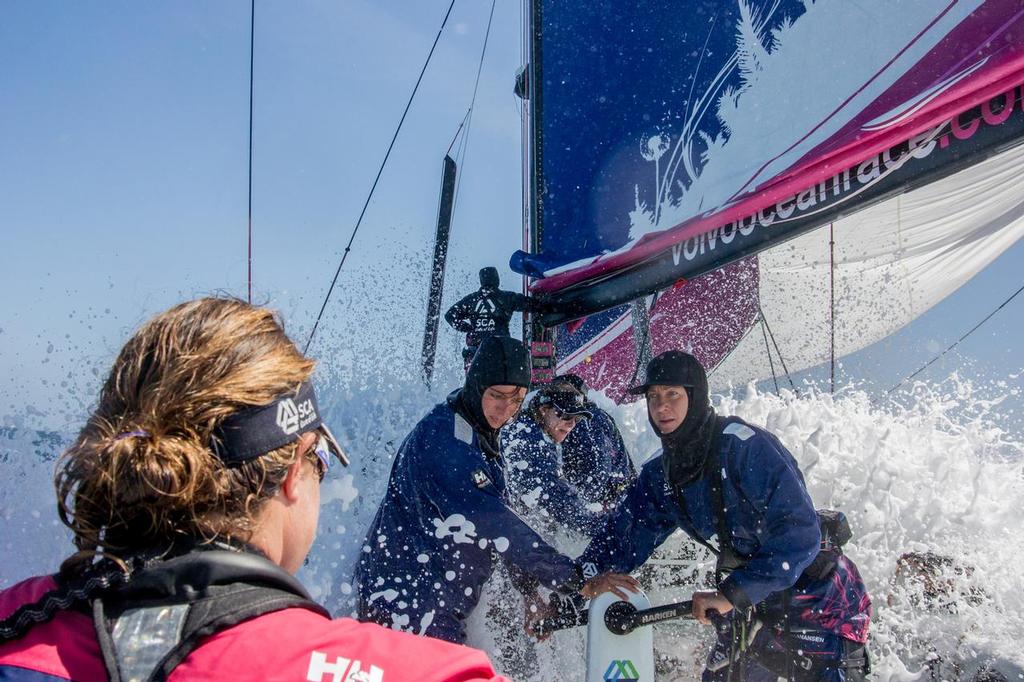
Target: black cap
(674, 368)
(500, 360)
(574, 380)
(489, 278)
(567, 403)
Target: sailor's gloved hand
(706, 601)
(616, 583)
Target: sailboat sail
(673, 138)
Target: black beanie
(500, 361)
(489, 278)
(676, 368)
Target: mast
(542, 340)
(445, 207)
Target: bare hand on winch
(705, 601)
(618, 584)
(537, 610)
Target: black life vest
(149, 626)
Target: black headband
(256, 431)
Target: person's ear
(293, 480)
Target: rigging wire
(468, 120)
(832, 304)
(457, 131)
(252, 52)
(957, 342)
(782, 360)
(380, 171)
(768, 349)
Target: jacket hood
(500, 361)
(489, 278)
(685, 450)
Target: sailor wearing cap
(594, 455)
(532, 449)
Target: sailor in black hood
(736, 489)
(496, 383)
(487, 311)
(679, 409)
(445, 517)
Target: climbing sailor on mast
(793, 605)
(487, 311)
(193, 493)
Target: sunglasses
(562, 416)
(326, 446)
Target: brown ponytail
(141, 472)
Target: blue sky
(123, 139)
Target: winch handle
(568, 614)
(622, 617)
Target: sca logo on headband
(292, 417)
(621, 671)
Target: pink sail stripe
(849, 98)
(939, 66)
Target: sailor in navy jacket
(767, 510)
(445, 518)
(531, 447)
(594, 457)
(771, 521)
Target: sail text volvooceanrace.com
(830, 194)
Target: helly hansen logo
(341, 670)
(621, 671)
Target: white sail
(893, 262)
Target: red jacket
(294, 644)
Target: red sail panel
(706, 316)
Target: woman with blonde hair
(193, 496)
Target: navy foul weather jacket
(486, 312)
(595, 460)
(537, 482)
(444, 521)
(767, 509)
